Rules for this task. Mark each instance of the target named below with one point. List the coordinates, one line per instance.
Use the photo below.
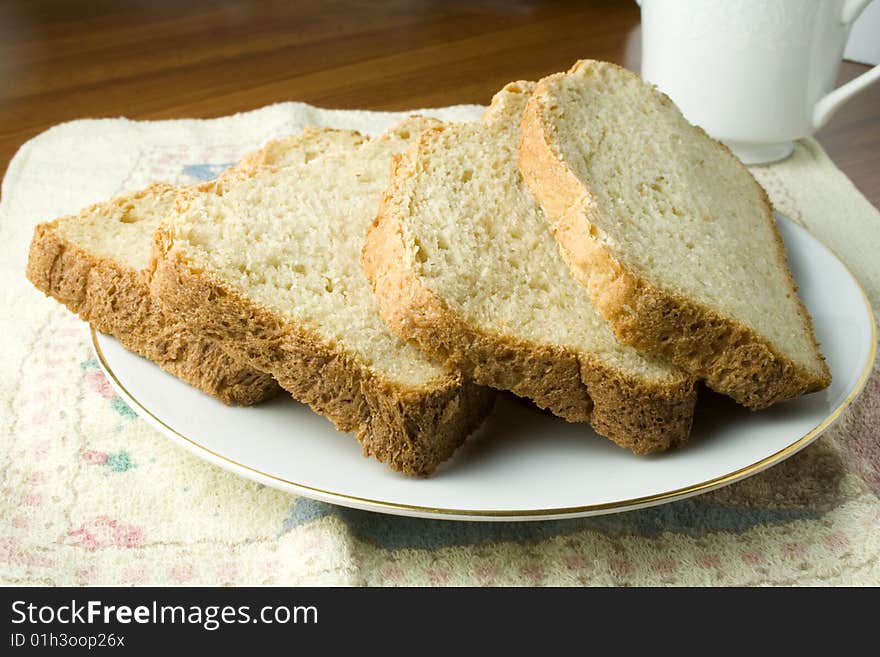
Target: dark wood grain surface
(69, 59)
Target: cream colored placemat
(92, 495)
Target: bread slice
(304, 146)
(671, 235)
(462, 261)
(267, 262)
(93, 262)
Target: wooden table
(66, 59)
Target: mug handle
(830, 103)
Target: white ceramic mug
(756, 74)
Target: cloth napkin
(92, 495)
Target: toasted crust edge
(410, 429)
(82, 280)
(641, 418)
(732, 358)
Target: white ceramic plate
(523, 464)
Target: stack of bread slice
(581, 246)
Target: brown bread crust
(410, 429)
(116, 300)
(731, 357)
(639, 417)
